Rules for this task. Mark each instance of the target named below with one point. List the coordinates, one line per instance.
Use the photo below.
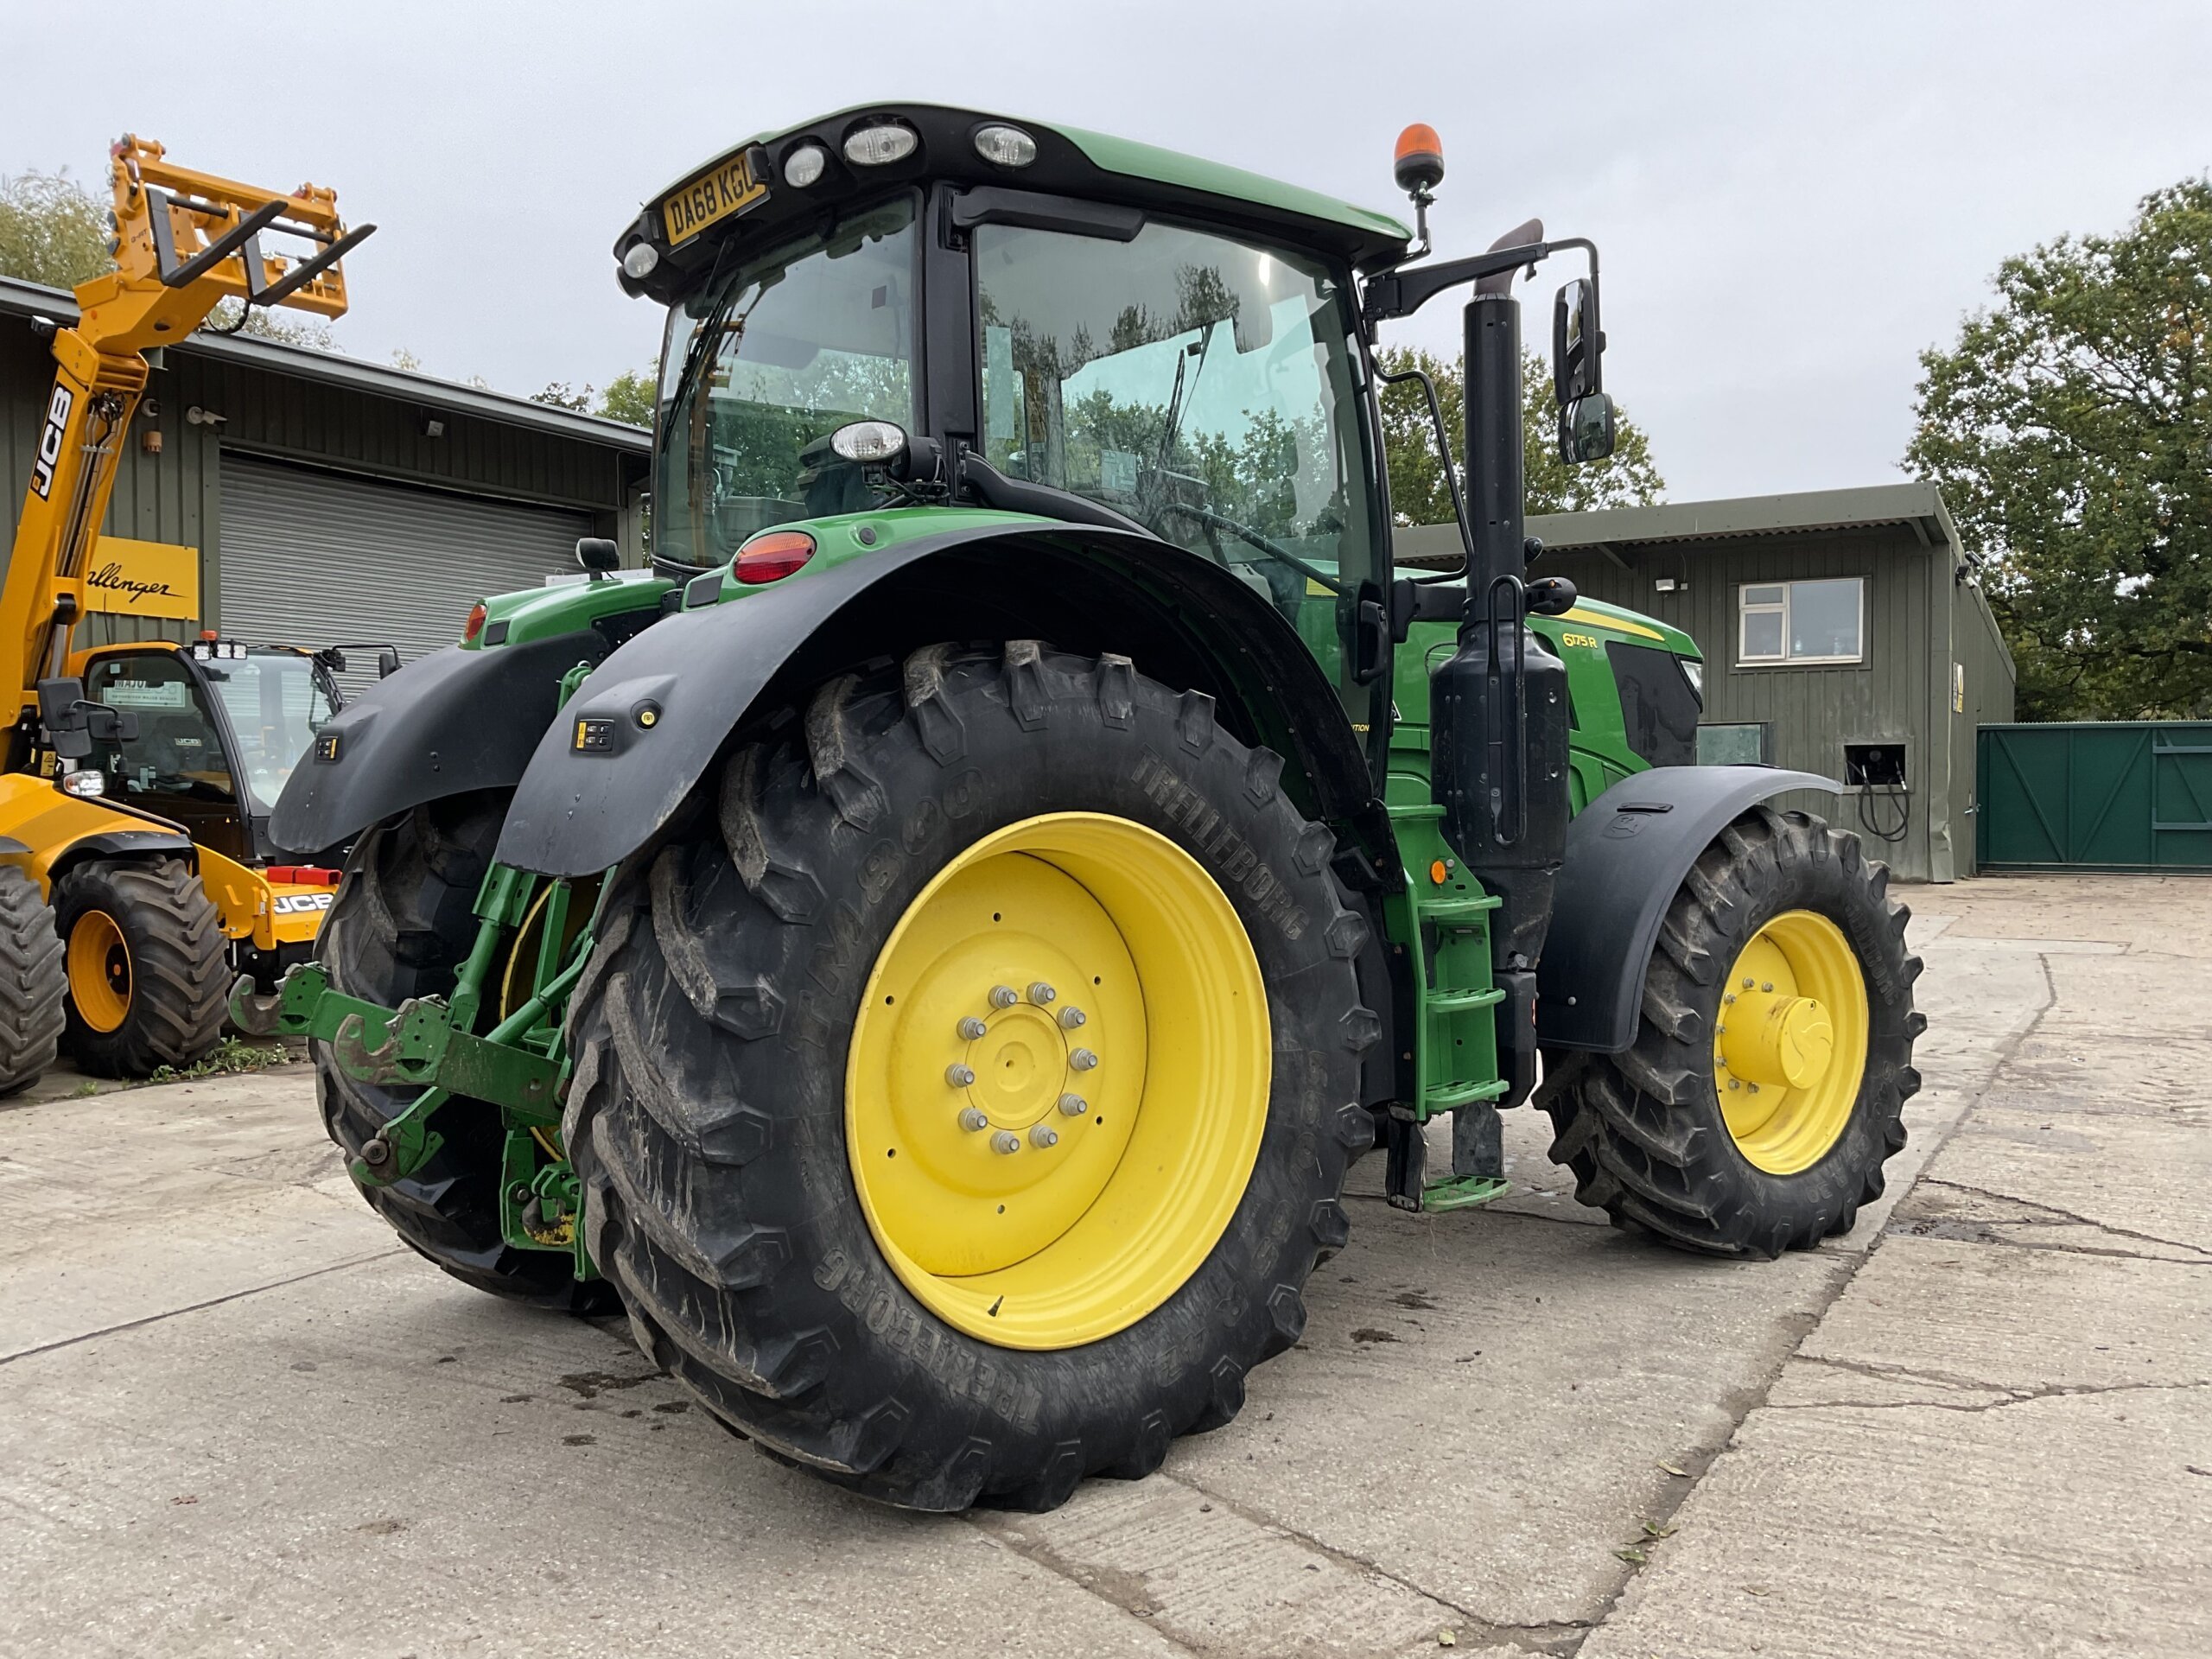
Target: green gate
(2096, 795)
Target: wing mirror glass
(1585, 428)
(1577, 342)
(387, 662)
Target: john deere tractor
(930, 947)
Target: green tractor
(930, 947)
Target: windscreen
(276, 703)
(763, 365)
(1200, 385)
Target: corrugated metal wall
(1814, 711)
(1986, 667)
(176, 496)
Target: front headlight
(1695, 673)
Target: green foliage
(630, 397)
(310, 333)
(51, 230)
(562, 395)
(228, 1057)
(2070, 428)
(1419, 493)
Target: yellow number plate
(712, 197)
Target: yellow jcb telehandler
(135, 878)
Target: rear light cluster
(771, 556)
(475, 624)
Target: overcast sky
(1792, 199)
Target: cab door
(176, 765)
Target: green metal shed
(1845, 632)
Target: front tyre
(1767, 1082)
(147, 965)
(965, 1082)
(32, 983)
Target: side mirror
(387, 662)
(1585, 428)
(598, 554)
(1577, 343)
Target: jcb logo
(50, 441)
(293, 904)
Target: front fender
(453, 720)
(643, 730)
(1627, 853)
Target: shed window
(1801, 622)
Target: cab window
(175, 751)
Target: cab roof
(1070, 161)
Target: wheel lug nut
(973, 1118)
(1768, 986)
(1072, 1017)
(1040, 993)
(1082, 1059)
(1044, 1137)
(960, 1076)
(971, 1028)
(1747, 984)
(1005, 1141)
(1073, 1105)
(1005, 996)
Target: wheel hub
(1028, 1170)
(1789, 1050)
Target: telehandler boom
(147, 856)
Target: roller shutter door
(311, 557)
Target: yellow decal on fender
(1592, 620)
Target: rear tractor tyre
(147, 966)
(1767, 1082)
(32, 983)
(401, 925)
(967, 1077)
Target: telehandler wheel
(1774, 1056)
(32, 983)
(966, 1079)
(401, 925)
(147, 965)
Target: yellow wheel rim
(1058, 1081)
(99, 971)
(1791, 1050)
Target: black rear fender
(647, 726)
(446, 723)
(1627, 853)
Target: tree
(2070, 428)
(562, 395)
(1419, 494)
(310, 333)
(51, 230)
(630, 397)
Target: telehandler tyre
(32, 983)
(147, 965)
(401, 925)
(966, 1077)
(1773, 1058)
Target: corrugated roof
(327, 368)
(1916, 504)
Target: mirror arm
(1396, 294)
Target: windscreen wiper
(1274, 549)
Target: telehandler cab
(933, 944)
(139, 777)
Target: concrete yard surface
(237, 1417)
